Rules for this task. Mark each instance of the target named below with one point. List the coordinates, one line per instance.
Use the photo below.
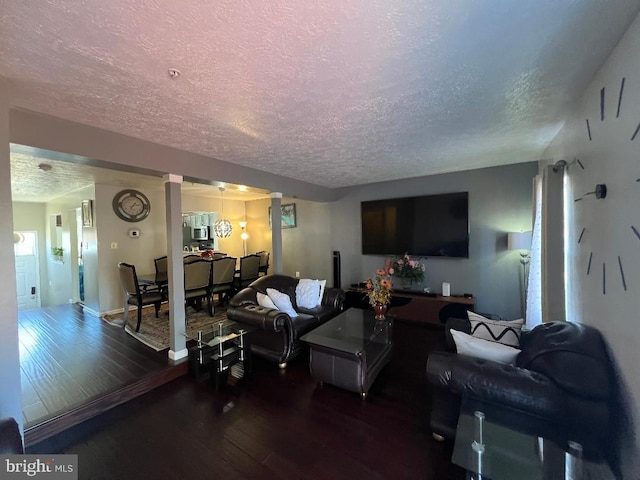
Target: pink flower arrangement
(404, 267)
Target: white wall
(611, 157)
(10, 400)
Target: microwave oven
(200, 233)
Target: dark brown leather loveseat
(278, 335)
(562, 386)
(10, 438)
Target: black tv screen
(428, 226)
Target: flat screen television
(426, 226)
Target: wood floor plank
(274, 424)
(69, 357)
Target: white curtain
(534, 283)
(545, 292)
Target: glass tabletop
(491, 450)
(219, 332)
(352, 331)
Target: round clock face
(131, 205)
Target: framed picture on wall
(288, 216)
(87, 213)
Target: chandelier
(222, 228)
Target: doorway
(25, 244)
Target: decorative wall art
(288, 216)
(87, 213)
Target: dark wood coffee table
(350, 350)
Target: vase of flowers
(379, 292)
(380, 311)
(405, 269)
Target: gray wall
(500, 201)
(611, 157)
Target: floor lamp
(522, 241)
(244, 235)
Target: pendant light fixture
(222, 228)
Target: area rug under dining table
(154, 332)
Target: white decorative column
(175, 267)
(276, 231)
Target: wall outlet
(114, 245)
(297, 274)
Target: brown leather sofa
(10, 438)
(562, 386)
(277, 337)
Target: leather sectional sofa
(277, 337)
(561, 387)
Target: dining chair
(224, 270)
(197, 282)
(264, 263)
(134, 295)
(161, 270)
(191, 258)
(249, 266)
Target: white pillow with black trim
(506, 332)
(477, 347)
(265, 301)
(323, 284)
(282, 301)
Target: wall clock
(131, 205)
(607, 265)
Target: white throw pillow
(477, 347)
(506, 332)
(282, 301)
(265, 301)
(323, 283)
(307, 292)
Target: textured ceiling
(331, 92)
(31, 183)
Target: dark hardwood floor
(74, 366)
(274, 424)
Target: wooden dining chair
(197, 282)
(223, 273)
(249, 266)
(133, 295)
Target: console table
(417, 306)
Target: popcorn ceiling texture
(332, 92)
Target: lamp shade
(519, 240)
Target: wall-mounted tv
(429, 225)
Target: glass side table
(221, 348)
(489, 450)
